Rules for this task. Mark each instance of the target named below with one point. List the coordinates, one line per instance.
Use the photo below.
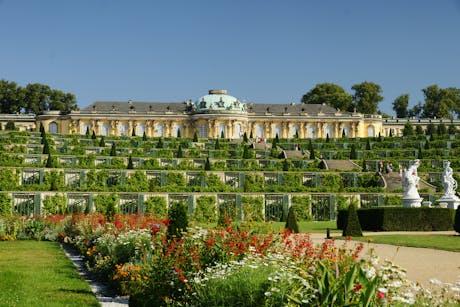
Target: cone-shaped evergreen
(46, 146)
(178, 133)
(130, 163)
(49, 161)
(245, 137)
(160, 143)
(353, 155)
(102, 142)
(113, 150)
(457, 220)
(247, 152)
(291, 223)
(217, 145)
(364, 167)
(419, 153)
(195, 137)
(352, 226)
(285, 165)
(134, 132)
(94, 135)
(311, 150)
(178, 220)
(87, 132)
(180, 153)
(207, 165)
(327, 137)
(144, 137)
(391, 133)
(251, 136)
(343, 134)
(368, 145)
(222, 135)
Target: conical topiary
(130, 163)
(245, 137)
(217, 145)
(353, 154)
(160, 143)
(352, 226)
(180, 153)
(102, 142)
(144, 137)
(49, 161)
(113, 150)
(291, 223)
(311, 149)
(178, 220)
(195, 137)
(207, 165)
(46, 146)
(457, 220)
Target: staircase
(340, 165)
(394, 183)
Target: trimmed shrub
(6, 204)
(291, 222)
(253, 208)
(302, 207)
(457, 220)
(178, 220)
(156, 206)
(106, 204)
(352, 225)
(401, 219)
(205, 209)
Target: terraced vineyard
(44, 174)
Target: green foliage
(55, 179)
(311, 149)
(50, 161)
(353, 154)
(291, 222)
(113, 150)
(10, 125)
(54, 204)
(6, 204)
(130, 163)
(253, 183)
(175, 179)
(402, 219)
(102, 142)
(207, 164)
(286, 165)
(245, 137)
(178, 220)
(352, 226)
(180, 152)
(137, 182)
(46, 146)
(408, 129)
(253, 208)
(156, 206)
(332, 181)
(160, 143)
(8, 179)
(330, 94)
(205, 209)
(301, 205)
(107, 205)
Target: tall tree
(330, 94)
(400, 105)
(367, 97)
(441, 103)
(10, 97)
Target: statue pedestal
(412, 202)
(452, 201)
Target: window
(159, 130)
(370, 131)
(53, 128)
(259, 131)
(203, 131)
(277, 131)
(140, 129)
(221, 129)
(123, 129)
(105, 129)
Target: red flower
(381, 295)
(358, 287)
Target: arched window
(176, 130)
(346, 130)
(277, 131)
(123, 129)
(259, 131)
(221, 130)
(328, 131)
(294, 130)
(203, 131)
(237, 133)
(83, 128)
(53, 128)
(160, 130)
(105, 129)
(370, 131)
(140, 129)
(312, 131)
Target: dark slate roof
(180, 107)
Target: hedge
(401, 219)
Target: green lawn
(443, 242)
(39, 274)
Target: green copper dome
(218, 100)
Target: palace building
(214, 115)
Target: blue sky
(260, 51)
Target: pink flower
(380, 295)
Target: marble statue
(410, 181)
(449, 199)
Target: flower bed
(230, 267)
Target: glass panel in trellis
(369, 200)
(349, 180)
(194, 179)
(32, 159)
(166, 162)
(234, 164)
(67, 161)
(321, 207)
(310, 180)
(30, 176)
(23, 204)
(114, 178)
(271, 179)
(274, 208)
(229, 207)
(101, 161)
(232, 179)
(128, 203)
(155, 176)
(77, 203)
(72, 178)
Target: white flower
(268, 294)
(383, 290)
(435, 281)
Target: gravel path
(421, 264)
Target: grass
(442, 242)
(34, 273)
